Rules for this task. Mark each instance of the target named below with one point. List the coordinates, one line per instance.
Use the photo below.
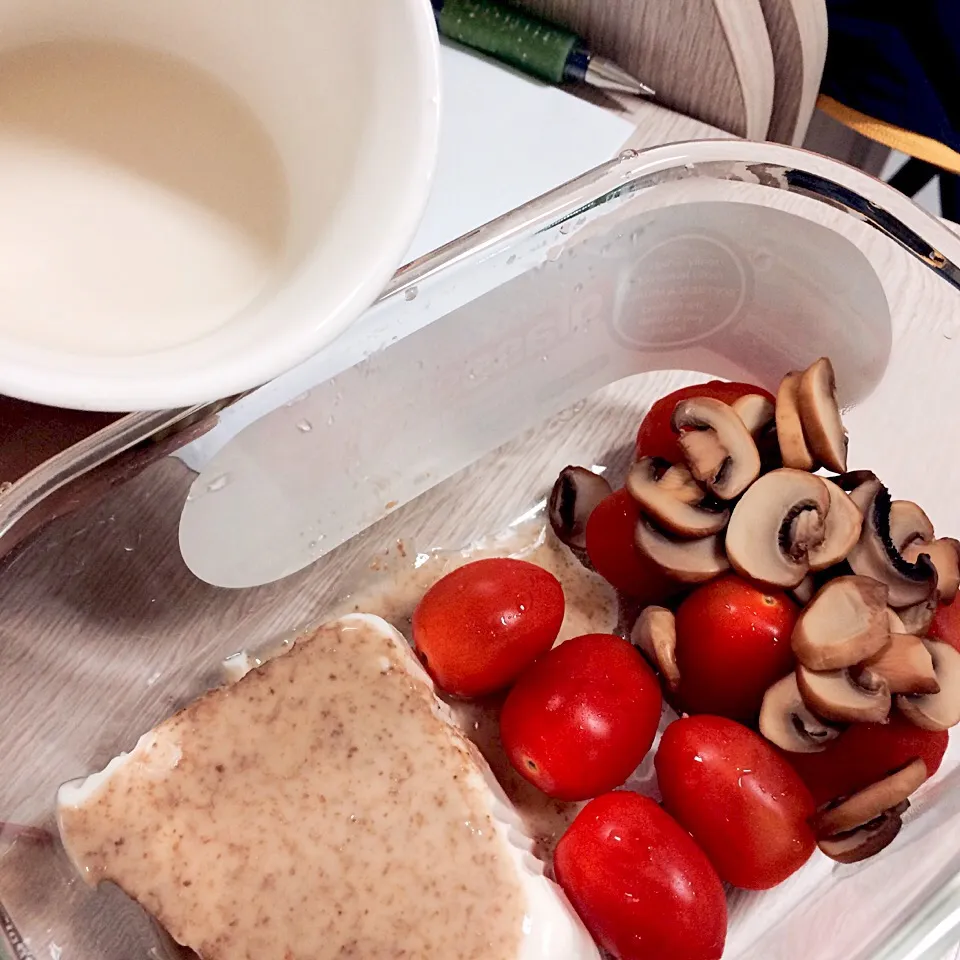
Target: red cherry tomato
(609, 537)
(478, 627)
(642, 887)
(580, 719)
(733, 642)
(946, 624)
(864, 753)
(741, 801)
(656, 438)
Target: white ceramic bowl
(348, 96)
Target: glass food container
(537, 341)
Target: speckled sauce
(319, 808)
(591, 607)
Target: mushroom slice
(756, 412)
(775, 525)
(846, 622)
(836, 695)
(793, 446)
(786, 721)
(908, 523)
(820, 415)
(917, 619)
(574, 495)
(843, 526)
(717, 446)
(803, 592)
(937, 711)
(895, 622)
(904, 664)
(864, 842)
(687, 561)
(674, 500)
(655, 634)
(874, 555)
(871, 802)
(944, 554)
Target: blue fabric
(898, 61)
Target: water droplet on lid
(299, 399)
(578, 288)
(566, 228)
(627, 154)
(5, 487)
(304, 426)
(410, 294)
(330, 420)
(511, 259)
(218, 483)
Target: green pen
(532, 45)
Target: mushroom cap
(871, 802)
(866, 841)
(916, 619)
(574, 495)
(842, 530)
(820, 415)
(655, 634)
(786, 721)
(908, 523)
(673, 500)
(793, 445)
(717, 446)
(874, 555)
(836, 695)
(687, 561)
(937, 711)
(803, 592)
(904, 664)
(774, 525)
(944, 554)
(846, 622)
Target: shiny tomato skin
(733, 642)
(864, 753)
(740, 800)
(609, 536)
(656, 438)
(478, 627)
(580, 719)
(946, 624)
(642, 887)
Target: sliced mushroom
(843, 526)
(674, 500)
(937, 711)
(574, 495)
(846, 622)
(820, 415)
(871, 802)
(756, 412)
(786, 721)
(904, 664)
(896, 624)
(655, 635)
(775, 525)
(793, 445)
(836, 695)
(803, 592)
(908, 523)
(687, 561)
(944, 554)
(867, 841)
(874, 554)
(917, 619)
(717, 446)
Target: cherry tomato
(864, 753)
(741, 801)
(479, 626)
(656, 438)
(609, 537)
(642, 887)
(946, 624)
(733, 642)
(580, 719)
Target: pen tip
(607, 75)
